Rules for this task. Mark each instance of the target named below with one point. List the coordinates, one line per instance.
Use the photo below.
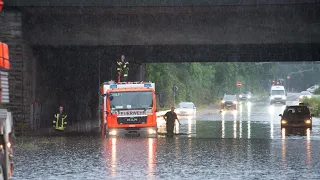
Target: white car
(313, 88)
(186, 109)
(305, 94)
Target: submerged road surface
(242, 144)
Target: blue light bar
(113, 86)
(147, 85)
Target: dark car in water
(296, 116)
(229, 101)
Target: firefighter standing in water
(123, 69)
(60, 119)
(170, 118)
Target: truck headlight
(240, 96)
(308, 121)
(284, 121)
(249, 96)
(113, 133)
(152, 131)
(284, 97)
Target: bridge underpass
(53, 49)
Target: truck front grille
(132, 120)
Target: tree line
(205, 83)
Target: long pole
(99, 100)
(174, 98)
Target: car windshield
(131, 100)
(277, 92)
(186, 105)
(229, 97)
(298, 110)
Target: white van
(278, 95)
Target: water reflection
(223, 125)
(286, 132)
(128, 153)
(152, 149)
(308, 148)
(284, 153)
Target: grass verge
(314, 105)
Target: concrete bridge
(55, 45)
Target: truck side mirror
(109, 96)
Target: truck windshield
(131, 100)
(277, 92)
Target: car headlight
(249, 96)
(234, 102)
(240, 96)
(271, 97)
(309, 96)
(284, 121)
(223, 101)
(284, 97)
(308, 121)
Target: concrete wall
(174, 26)
(112, 3)
(22, 76)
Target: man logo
(132, 119)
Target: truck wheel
(106, 132)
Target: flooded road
(242, 144)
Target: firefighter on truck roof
(123, 69)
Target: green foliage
(302, 75)
(317, 91)
(314, 105)
(205, 83)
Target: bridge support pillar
(22, 73)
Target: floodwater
(243, 144)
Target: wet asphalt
(243, 144)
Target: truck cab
(129, 109)
(278, 95)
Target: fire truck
(129, 109)
(6, 123)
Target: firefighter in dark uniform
(60, 120)
(123, 69)
(170, 118)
